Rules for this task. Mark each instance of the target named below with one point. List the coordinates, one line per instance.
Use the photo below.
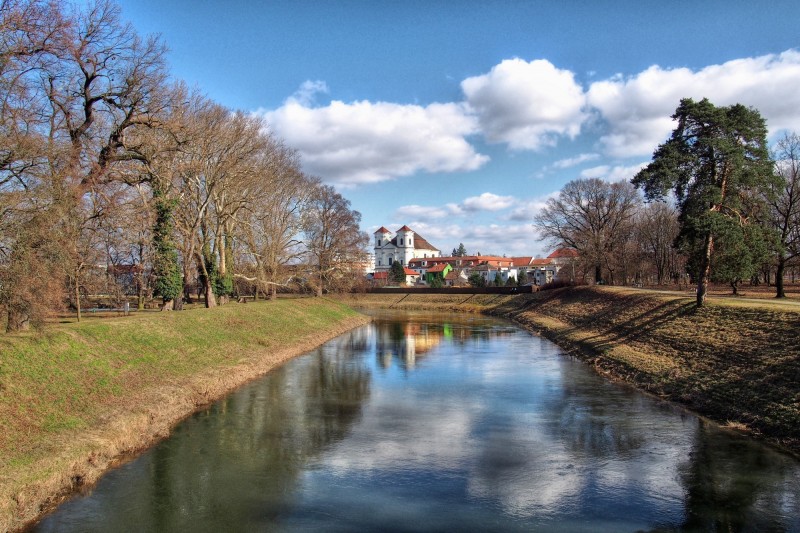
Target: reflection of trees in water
(733, 484)
(402, 341)
(237, 464)
(592, 425)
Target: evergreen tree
(523, 277)
(476, 280)
(397, 273)
(461, 251)
(717, 165)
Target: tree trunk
(779, 290)
(17, 320)
(734, 286)
(598, 273)
(77, 298)
(273, 292)
(168, 305)
(705, 271)
(208, 294)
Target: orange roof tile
(438, 268)
(563, 252)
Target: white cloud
(488, 202)
(637, 109)
(512, 239)
(527, 105)
(308, 91)
(613, 173)
(526, 210)
(365, 142)
(485, 202)
(421, 212)
(575, 161)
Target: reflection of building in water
(405, 342)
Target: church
(403, 246)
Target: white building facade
(402, 247)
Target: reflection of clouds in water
(408, 434)
(528, 477)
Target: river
(433, 422)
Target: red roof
(521, 261)
(438, 268)
(562, 253)
(382, 230)
(541, 262)
(410, 272)
(380, 275)
(405, 228)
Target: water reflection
(431, 422)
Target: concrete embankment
(78, 399)
(737, 363)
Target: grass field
(77, 396)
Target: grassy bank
(78, 397)
(735, 362)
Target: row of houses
(422, 262)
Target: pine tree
(717, 165)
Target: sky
(460, 118)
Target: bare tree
(784, 206)
(591, 216)
(334, 241)
(656, 230)
(271, 224)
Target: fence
(525, 289)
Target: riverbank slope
(78, 398)
(736, 362)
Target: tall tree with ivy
(717, 164)
(167, 271)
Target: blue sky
(460, 118)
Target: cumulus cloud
(421, 212)
(485, 202)
(575, 161)
(512, 239)
(306, 94)
(637, 109)
(526, 210)
(488, 202)
(527, 105)
(366, 142)
(613, 173)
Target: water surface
(430, 422)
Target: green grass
(63, 380)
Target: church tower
(383, 238)
(405, 244)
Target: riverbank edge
(614, 342)
(127, 433)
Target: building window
(390, 261)
(401, 242)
